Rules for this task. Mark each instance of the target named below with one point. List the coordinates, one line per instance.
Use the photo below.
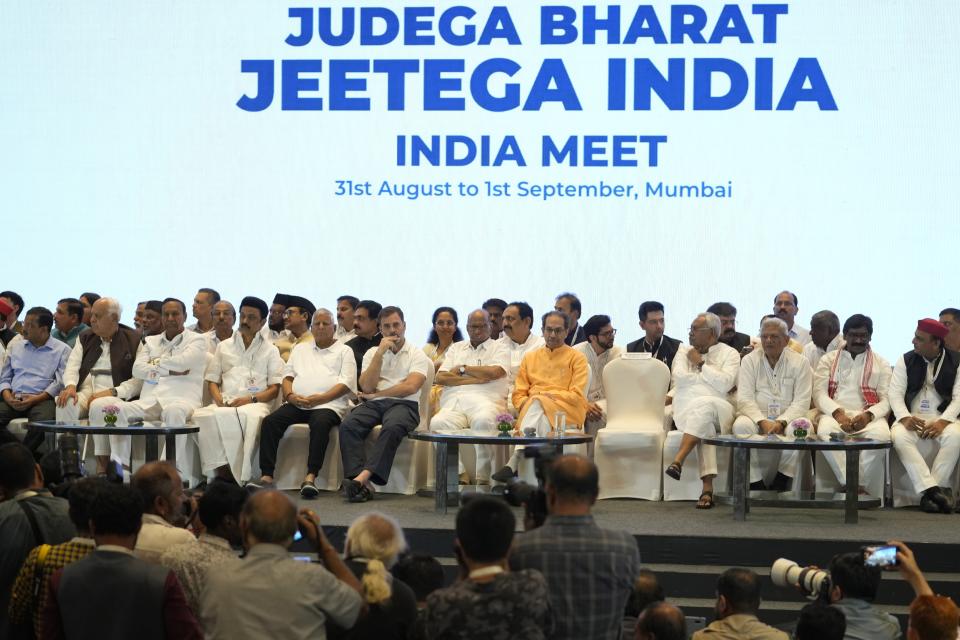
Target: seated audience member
(269, 594)
(824, 337)
(819, 621)
(728, 326)
(275, 319)
(243, 378)
(374, 541)
(703, 375)
(390, 382)
(854, 588)
(444, 332)
(424, 575)
(138, 316)
(171, 367)
(161, 494)
(489, 601)
(571, 549)
(792, 344)
(203, 310)
(949, 317)
(88, 299)
(773, 388)
(661, 621)
(569, 304)
(100, 366)
(23, 502)
(495, 308)
(12, 305)
(785, 307)
(346, 305)
(152, 318)
(219, 511)
(925, 398)
(659, 346)
(32, 376)
(366, 326)
(738, 602)
(519, 339)
(318, 381)
(473, 379)
(850, 390)
(45, 559)
(67, 321)
(296, 322)
(111, 594)
(646, 591)
(224, 317)
(599, 351)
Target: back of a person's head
(116, 510)
(153, 480)
(820, 622)
(646, 590)
(422, 573)
(220, 500)
(933, 618)
(661, 621)
(380, 540)
(741, 589)
(81, 495)
(16, 468)
(485, 529)
(270, 517)
(853, 577)
(574, 479)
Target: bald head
(269, 517)
(573, 480)
(160, 489)
(661, 621)
(478, 327)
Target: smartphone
(297, 535)
(880, 556)
(303, 559)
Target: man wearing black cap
(275, 320)
(152, 323)
(244, 378)
(296, 320)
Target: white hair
(778, 323)
(113, 307)
(712, 320)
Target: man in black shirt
(662, 347)
(728, 326)
(366, 326)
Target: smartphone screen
(297, 535)
(885, 556)
(303, 558)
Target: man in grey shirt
(853, 591)
(269, 594)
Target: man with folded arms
(850, 390)
(243, 378)
(773, 388)
(100, 366)
(318, 381)
(296, 319)
(925, 398)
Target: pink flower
(111, 410)
(801, 423)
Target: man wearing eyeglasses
(296, 322)
(599, 350)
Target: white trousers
(79, 411)
(922, 476)
(472, 412)
(229, 436)
(871, 462)
(745, 427)
(591, 427)
(175, 414)
(704, 418)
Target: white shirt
(213, 341)
(849, 397)
(781, 392)
(157, 535)
(597, 363)
(343, 336)
(316, 370)
(489, 353)
(721, 364)
(813, 353)
(517, 350)
(94, 383)
(397, 366)
(242, 371)
(159, 356)
(799, 334)
(898, 389)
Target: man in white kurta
(519, 340)
(785, 307)
(703, 374)
(171, 366)
(474, 381)
(850, 390)
(599, 350)
(773, 388)
(925, 398)
(825, 337)
(244, 378)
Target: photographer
(932, 617)
(854, 587)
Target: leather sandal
(708, 504)
(674, 470)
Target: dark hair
(221, 499)
(256, 303)
(74, 307)
(646, 590)
(494, 302)
(433, 338)
(574, 301)
(525, 310)
(154, 305)
(854, 578)
(820, 622)
(178, 301)
(352, 300)
(80, 496)
(827, 317)
(722, 309)
(858, 321)
(948, 311)
(796, 302)
(485, 529)
(13, 297)
(16, 467)
(43, 315)
(116, 509)
(663, 621)
(389, 311)
(422, 573)
(372, 306)
(152, 482)
(558, 314)
(741, 588)
(647, 307)
(595, 324)
(90, 296)
(214, 296)
(574, 478)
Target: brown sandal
(708, 504)
(674, 470)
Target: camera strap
(32, 519)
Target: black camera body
(533, 498)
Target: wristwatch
(113, 391)
(463, 370)
(253, 398)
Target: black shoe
(363, 495)
(781, 483)
(505, 474)
(308, 490)
(351, 488)
(933, 501)
(758, 486)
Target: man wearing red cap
(6, 334)
(925, 398)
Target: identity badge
(153, 376)
(926, 407)
(773, 410)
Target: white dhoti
(871, 462)
(229, 436)
(744, 427)
(921, 476)
(473, 412)
(704, 417)
(173, 413)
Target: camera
(533, 498)
(813, 582)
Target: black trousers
(46, 410)
(320, 421)
(398, 417)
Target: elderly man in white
(171, 366)
(850, 390)
(703, 375)
(244, 378)
(773, 388)
(474, 380)
(519, 339)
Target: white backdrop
(127, 169)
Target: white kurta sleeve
(71, 375)
(898, 390)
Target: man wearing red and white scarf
(850, 392)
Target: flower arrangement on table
(505, 423)
(110, 413)
(800, 428)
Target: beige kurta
(562, 373)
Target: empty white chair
(292, 460)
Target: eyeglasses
(608, 334)
(555, 331)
